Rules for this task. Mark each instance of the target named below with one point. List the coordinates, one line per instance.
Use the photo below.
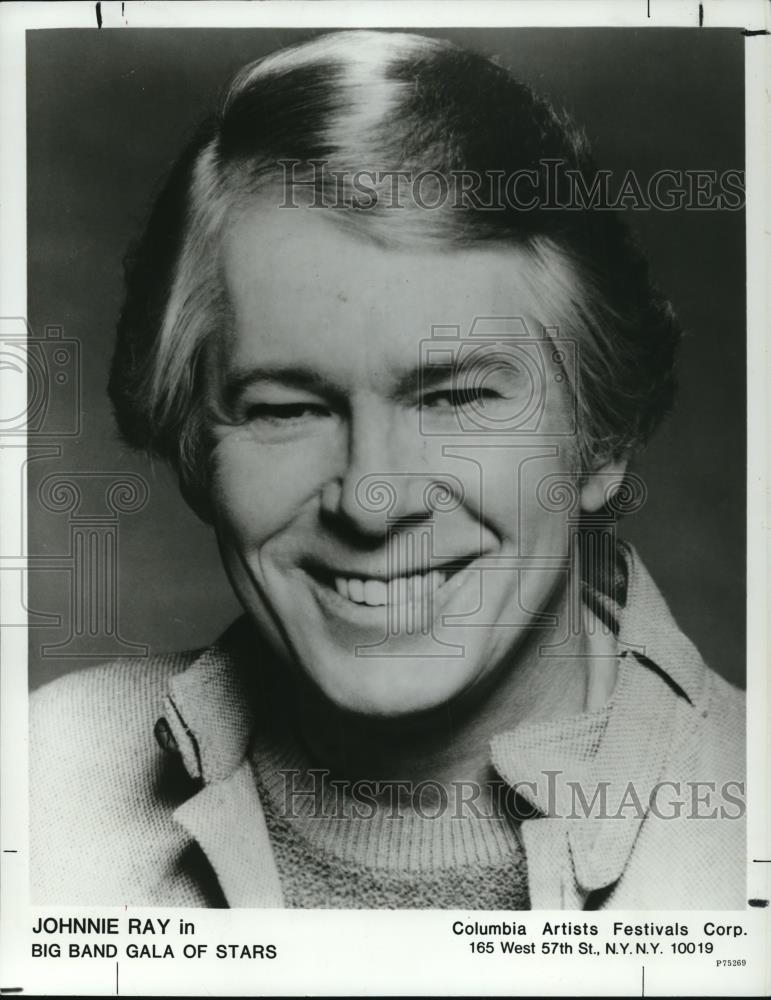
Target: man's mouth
(378, 591)
(399, 590)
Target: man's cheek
(503, 485)
(258, 491)
(528, 505)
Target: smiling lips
(398, 590)
(377, 591)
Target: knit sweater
(348, 844)
(193, 821)
(315, 873)
(334, 848)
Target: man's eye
(458, 398)
(277, 413)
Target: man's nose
(387, 477)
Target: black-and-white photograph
(384, 459)
(386, 494)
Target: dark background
(107, 113)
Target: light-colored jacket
(119, 816)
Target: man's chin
(390, 686)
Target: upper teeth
(399, 590)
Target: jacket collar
(660, 679)
(208, 712)
(208, 718)
(646, 626)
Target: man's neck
(451, 745)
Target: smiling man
(329, 396)
(408, 418)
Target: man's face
(381, 495)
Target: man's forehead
(291, 264)
(306, 244)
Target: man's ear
(602, 483)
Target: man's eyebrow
(431, 374)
